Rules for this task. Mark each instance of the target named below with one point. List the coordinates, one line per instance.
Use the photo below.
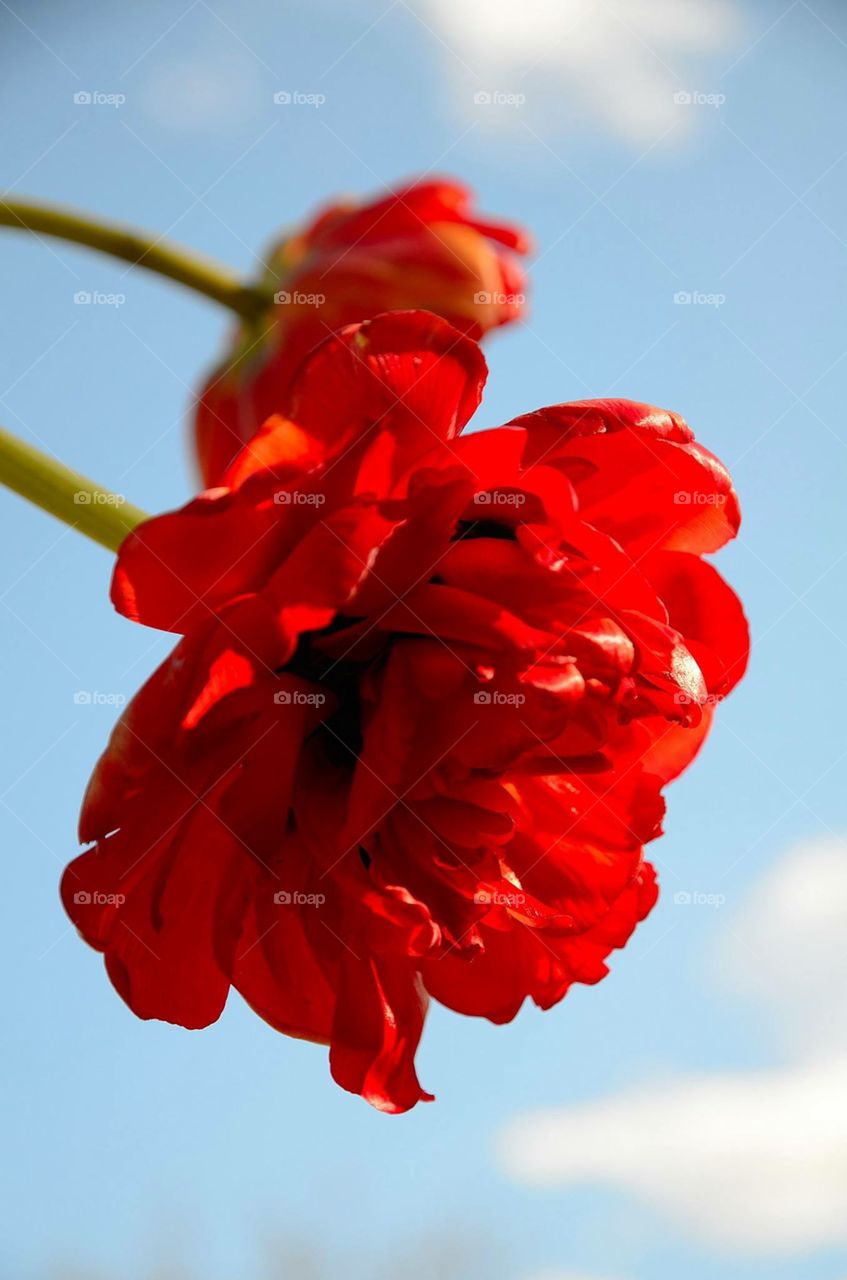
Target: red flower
(429, 689)
(421, 246)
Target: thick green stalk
(105, 517)
(139, 248)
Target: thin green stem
(139, 248)
(105, 517)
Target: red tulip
(429, 689)
(421, 246)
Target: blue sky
(683, 147)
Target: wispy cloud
(786, 947)
(752, 1160)
(755, 1160)
(622, 65)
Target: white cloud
(756, 1160)
(786, 946)
(620, 62)
(751, 1160)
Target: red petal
(639, 474)
(707, 612)
(277, 970)
(167, 917)
(174, 570)
(279, 446)
(323, 571)
(405, 372)
(379, 1018)
(406, 211)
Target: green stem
(105, 517)
(138, 248)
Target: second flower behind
(422, 246)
